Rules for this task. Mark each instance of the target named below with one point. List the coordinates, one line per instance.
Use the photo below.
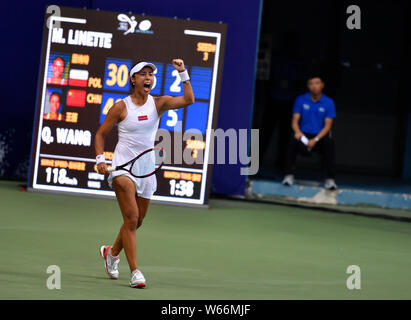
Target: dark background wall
(20, 58)
(366, 73)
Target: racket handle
(111, 169)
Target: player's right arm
(116, 114)
(297, 108)
(295, 126)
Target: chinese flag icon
(76, 98)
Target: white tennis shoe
(110, 262)
(288, 180)
(137, 279)
(330, 184)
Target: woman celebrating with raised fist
(137, 117)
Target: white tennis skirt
(145, 187)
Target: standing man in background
(313, 115)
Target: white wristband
(184, 76)
(100, 159)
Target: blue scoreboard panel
(86, 59)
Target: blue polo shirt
(312, 113)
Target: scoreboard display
(86, 59)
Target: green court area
(235, 250)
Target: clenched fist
(178, 64)
(102, 168)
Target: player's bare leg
(133, 217)
(118, 245)
(125, 191)
(142, 204)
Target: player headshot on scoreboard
(137, 117)
(57, 66)
(54, 106)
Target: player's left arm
(328, 123)
(165, 103)
(329, 119)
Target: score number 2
(175, 87)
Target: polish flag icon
(78, 78)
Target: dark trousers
(325, 147)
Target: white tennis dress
(136, 133)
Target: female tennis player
(137, 117)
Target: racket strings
(147, 163)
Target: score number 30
(119, 75)
(181, 188)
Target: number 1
(172, 187)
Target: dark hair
(131, 84)
(55, 94)
(315, 75)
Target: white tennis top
(137, 132)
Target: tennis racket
(145, 164)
